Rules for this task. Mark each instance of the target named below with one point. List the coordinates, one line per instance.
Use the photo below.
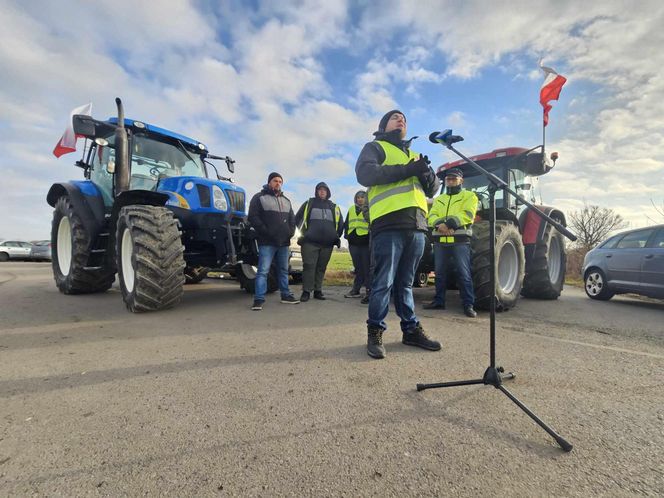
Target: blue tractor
(149, 209)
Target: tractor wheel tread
(78, 280)
(158, 258)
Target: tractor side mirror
(110, 166)
(83, 125)
(554, 157)
(89, 127)
(524, 186)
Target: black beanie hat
(273, 175)
(386, 118)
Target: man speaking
(399, 181)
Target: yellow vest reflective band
(385, 199)
(356, 222)
(461, 208)
(305, 222)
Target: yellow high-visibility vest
(356, 222)
(460, 207)
(385, 199)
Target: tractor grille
(236, 199)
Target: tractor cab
(519, 168)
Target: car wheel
(596, 286)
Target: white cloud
(256, 83)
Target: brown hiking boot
(375, 347)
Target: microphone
(444, 137)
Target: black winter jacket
(272, 217)
(320, 223)
(369, 172)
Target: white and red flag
(67, 143)
(553, 83)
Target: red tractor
(530, 253)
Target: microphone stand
(492, 375)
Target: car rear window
(634, 240)
(658, 240)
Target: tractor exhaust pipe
(122, 173)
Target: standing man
(271, 216)
(321, 224)
(399, 181)
(356, 229)
(451, 218)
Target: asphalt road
(212, 399)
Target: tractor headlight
(220, 202)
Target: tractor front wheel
(149, 258)
(195, 274)
(70, 243)
(510, 265)
(246, 274)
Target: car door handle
(649, 256)
(609, 255)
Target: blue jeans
(265, 256)
(396, 254)
(443, 253)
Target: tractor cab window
(102, 157)
(517, 180)
(152, 160)
(479, 185)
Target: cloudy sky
(299, 86)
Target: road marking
(56, 327)
(600, 346)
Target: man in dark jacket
(399, 182)
(356, 230)
(321, 224)
(271, 216)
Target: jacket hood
(323, 185)
(268, 190)
(358, 193)
(393, 137)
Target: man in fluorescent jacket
(451, 218)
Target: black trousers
(361, 256)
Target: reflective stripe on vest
(319, 214)
(385, 199)
(357, 223)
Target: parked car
(13, 249)
(295, 265)
(631, 261)
(41, 250)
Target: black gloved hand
(420, 166)
(338, 243)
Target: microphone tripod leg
(559, 439)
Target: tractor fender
(138, 197)
(532, 226)
(87, 201)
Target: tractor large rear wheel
(149, 258)
(510, 265)
(545, 275)
(70, 243)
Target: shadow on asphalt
(16, 387)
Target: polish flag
(553, 83)
(67, 143)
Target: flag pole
(543, 133)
